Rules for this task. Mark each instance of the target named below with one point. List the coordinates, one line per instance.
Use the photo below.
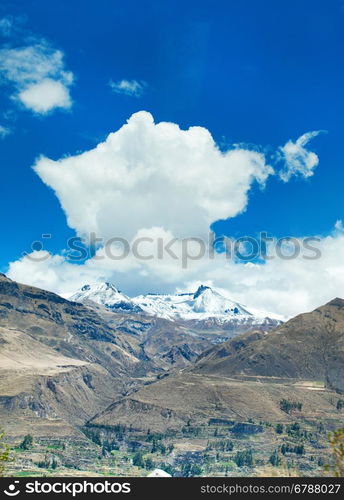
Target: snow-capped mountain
(203, 304)
(107, 295)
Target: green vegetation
(340, 404)
(298, 449)
(4, 454)
(149, 464)
(168, 468)
(287, 406)
(221, 444)
(295, 431)
(244, 458)
(279, 428)
(27, 442)
(125, 451)
(191, 470)
(337, 445)
(138, 459)
(275, 459)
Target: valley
(108, 391)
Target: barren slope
(309, 346)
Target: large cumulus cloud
(148, 174)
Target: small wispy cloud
(4, 131)
(35, 70)
(339, 226)
(12, 25)
(6, 25)
(298, 160)
(128, 87)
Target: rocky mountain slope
(129, 348)
(197, 400)
(63, 361)
(159, 342)
(161, 328)
(310, 346)
(45, 393)
(70, 328)
(126, 380)
(59, 359)
(249, 376)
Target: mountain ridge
(203, 304)
(309, 346)
(72, 372)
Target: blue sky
(254, 72)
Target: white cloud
(44, 96)
(128, 87)
(148, 174)
(4, 131)
(339, 226)
(286, 287)
(297, 159)
(38, 74)
(157, 181)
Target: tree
(138, 459)
(191, 470)
(340, 404)
(54, 463)
(275, 459)
(168, 468)
(279, 428)
(294, 430)
(149, 464)
(300, 449)
(337, 445)
(27, 442)
(243, 458)
(4, 454)
(288, 406)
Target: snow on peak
(202, 304)
(209, 301)
(100, 287)
(105, 294)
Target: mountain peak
(99, 286)
(200, 290)
(3, 277)
(203, 304)
(110, 286)
(107, 295)
(337, 302)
